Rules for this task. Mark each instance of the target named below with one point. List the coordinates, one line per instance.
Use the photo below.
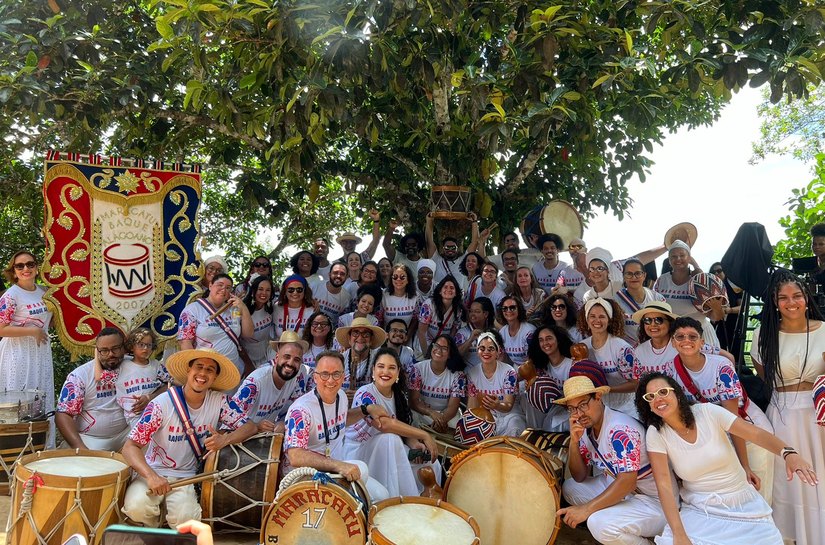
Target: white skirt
(386, 457)
(798, 508)
(741, 517)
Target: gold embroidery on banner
(127, 182)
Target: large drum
(20, 432)
(510, 488)
(450, 202)
(62, 492)
(556, 444)
(238, 500)
(411, 520)
(557, 217)
(317, 511)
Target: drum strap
(178, 401)
(221, 322)
(444, 323)
(628, 299)
(684, 376)
(324, 420)
(609, 469)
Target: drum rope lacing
(520, 447)
(321, 477)
(28, 447)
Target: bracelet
(787, 451)
(364, 410)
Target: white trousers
(386, 456)
(629, 522)
(181, 504)
(113, 444)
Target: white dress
(618, 361)
(25, 364)
(798, 509)
(719, 506)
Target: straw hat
(378, 334)
(685, 231)
(656, 306)
(228, 376)
(289, 337)
(349, 235)
(579, 386)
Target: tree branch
(527, 165)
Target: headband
(605, 304)
(488, 335)
(678, 244)
(295, 278)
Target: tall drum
(238, 501)
(510, 488)
(23, 429)
(62, 492)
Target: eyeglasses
(575, 247)
(716, 271)
(398, 330)
(509, 308)
(321, 325)
(398, 277)
(144, 346)
(661, 392)
(636, 274)
(440, 348)
(580, 408)
(260, 264)
(599, 268)
(324, 376)
(682, 337)
(108, 351)
(295, 290)
(362, 334)
(658, 320)
(558, 307)
(27, 265)
(451, 247)
(487, 349)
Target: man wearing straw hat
(621, 504)
(349, 240)
(359, 340)
(266, 394)
(177, 430)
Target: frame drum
(510, 488)
(557, 217)
(410, 520)
(238, 501)
(62, 492)
(311, 512)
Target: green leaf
(164, 28)
(31, 59)
(248, 80)
(601, 80)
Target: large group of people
(359, 362)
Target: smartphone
(120, 534)
(76, 539)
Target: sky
(701, 176)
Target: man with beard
(175, 432)
(507, 279)
(358, 340)
(448, 261)
(266, 394)
(331, 296)
(88, 415)
(526, 257)
(321, 250)
(410, 248)
(547, 271)
(397, 339)
(316, 421)
(621, 502)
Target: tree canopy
(312, 112)
(792, 127)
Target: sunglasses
(27, 265)
(509, 308)
(661, 392)
(658, 320)
(575, 247)
(558, 307)
(295, 290)
(260, 265)
(398, 277)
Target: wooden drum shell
(14, 444)
(376, 537)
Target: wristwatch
(787, 451)
(364, 410)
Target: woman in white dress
(719, 505)
(258, 300)
(494, 385)
(295, 304)
(319, 335)
(387, 451)
(516, 331)
(789, 353)
(439, 386)
(25, 347)
(602, 320)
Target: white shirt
(631, 328)
(194, 325)
(135, 380)
(503, 382)
(547, 277)
(305, 428)
(92, 403)
(258, 347)
(444, 266)
(331, 304)
(362, 431)
(437, 390)
(677, 296)
(495, 295)
(398, 308)
(296, 319)
(516, 346)
(259, 399)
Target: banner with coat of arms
(121, 239)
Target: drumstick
(493, 226)
(224, 306)
(194, 479)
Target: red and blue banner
(121, 244)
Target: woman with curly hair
(401, 298)
(442, 313)
(295, 304)
(319, 334)
(602, 321)
(480, 317)
(470, 268)
(719, 505)
(387, 451)
(789, 354)
(559, 309)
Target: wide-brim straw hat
(378, 334)
(579, 386)
(656, 306)
(178, 366)
(349, 235)
(685, 231)
(289, 337)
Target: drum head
(557, 217)
(311, 513)
(510, 490)
(413, 520)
